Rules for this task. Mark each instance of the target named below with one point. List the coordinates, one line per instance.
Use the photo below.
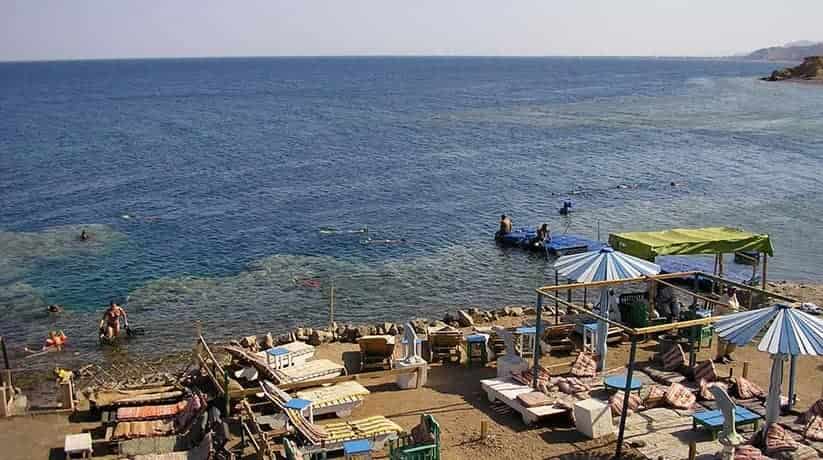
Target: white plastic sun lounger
(311, 370)
(507, 390)
(290, 354)
(339, 399)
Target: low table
(618, 382)
(78, 444)
(359, 449)
(713, 419)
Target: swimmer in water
(55, 308)
(83, 235)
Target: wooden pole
(745, 369)
(5, 353)
(556, 303)
(692, 449)
(331, 308)
(763, 275)
(626, 392)
(537, 339)
(792, 379)
(569, 293)
(484, 429)
(226, 395)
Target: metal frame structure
(550, 292)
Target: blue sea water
(205, 182)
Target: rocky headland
(810, 70)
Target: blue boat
(557, 245)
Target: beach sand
(453, 395)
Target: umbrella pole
(537, 336)
(792, 378)
(626, 391)
(556, 300)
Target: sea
(232, 194)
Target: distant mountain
(794, 51)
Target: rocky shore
(810, 70)
(348, 333)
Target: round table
(618, 382)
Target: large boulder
(464, 319)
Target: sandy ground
(453, 395)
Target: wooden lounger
(150, 428)
(141, 397)
(339, 399)
(135, 413)
(507, 390)
(311, 370)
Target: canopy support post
(763, 275)
(538, 334)
(626, 391)
(792, 377)
(556, 301)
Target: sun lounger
(330, 437)
(180, 423)
(339, 399)
(507, 390)
(136, 397)
(444, 345)
(290, 354)
(310, 370)
(376, 351)
(153, 412)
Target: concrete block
(593, 418)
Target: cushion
(705, 393)
(584, 366)
(746, 389)
(674, 358)
(656, 396)
(534, 399)
(748, 452)
(150, 412)
(679, 397)
(705, 371)
(816, 410)
(616, 403)
(814, 429)
(779, 440)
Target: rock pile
(810, 69)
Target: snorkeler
(84, 236)
(55, 308)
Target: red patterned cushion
(534, 399)
(705, 393)
(674, 358)
(816, 410)
(657, 394)
(584, 366)
(679, 396)
(779, 440)
(748, 452)
(746, 389)
(705, 371)
(814, 429)
(616, 403)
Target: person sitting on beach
(110, 324)
(55, 340)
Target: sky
(102, 29)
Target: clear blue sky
(72, 29)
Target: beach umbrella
(605, 264)
(790, 332)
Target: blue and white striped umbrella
(791, 332)
(605, 264)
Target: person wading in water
(110, 324)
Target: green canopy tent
(690, 241)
